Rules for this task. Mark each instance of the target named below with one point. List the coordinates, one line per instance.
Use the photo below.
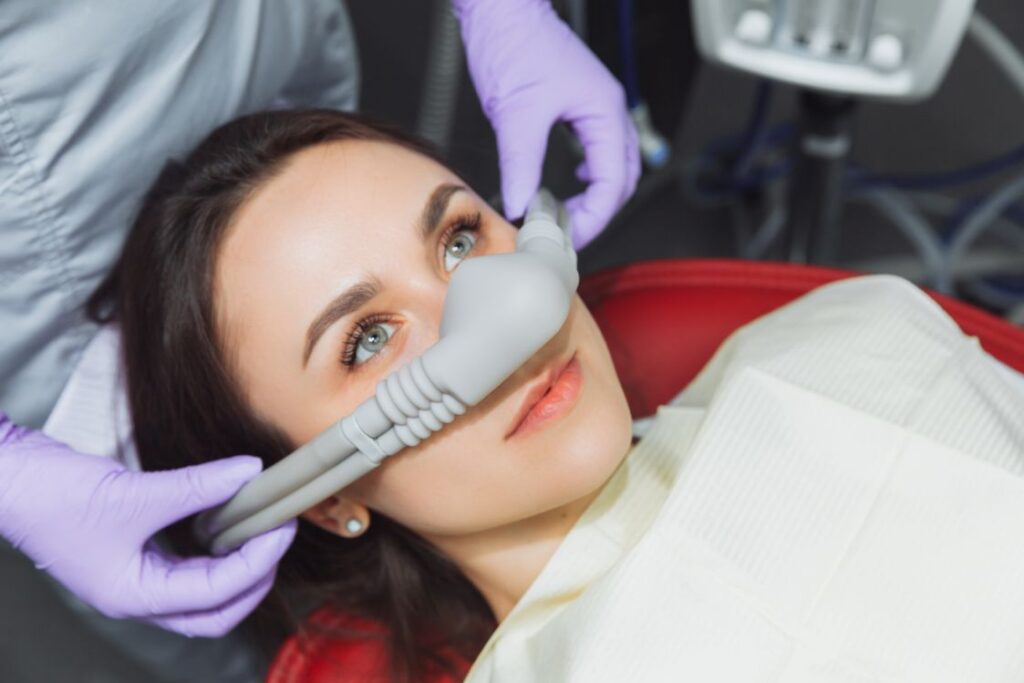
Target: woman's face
(333, 274)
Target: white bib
(847, 507)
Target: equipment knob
(754, 26)
(886, 52)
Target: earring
(354, 526)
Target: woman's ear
(340, 515)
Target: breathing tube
(500, 309)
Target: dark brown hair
(187, 408)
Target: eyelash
(470, 223)
(348, 351)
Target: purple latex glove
(531, 71)
(88, 521)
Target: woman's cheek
(435, 489)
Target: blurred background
(737, 165)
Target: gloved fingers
(173, 586)
(11, 433)
(583, 173)
(220, 620)
(634, 171)
(176, 494)
(607, 166)
(522, 142)
(634, 165)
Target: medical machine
(787, 184)
(499, 310)
(895, 49)
(835, 51)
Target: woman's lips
(549, 399)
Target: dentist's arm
(530, 71)
(88, 522)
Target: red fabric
(662, 320)
(323, 658)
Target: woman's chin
(588, 443)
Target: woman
(271, 280)
(85, 131)
(296, 258)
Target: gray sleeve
(94, 98)
(328, 74)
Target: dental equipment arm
(500, 309)
(87, 521)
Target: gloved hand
(530, 71)
(88, 522)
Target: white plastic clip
(362, 441)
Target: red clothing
(323, 658)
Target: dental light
(499, 310)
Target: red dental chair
(662, 320)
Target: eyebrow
(352, 299)
(437, 204)
(356, 296)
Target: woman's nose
(425, 299)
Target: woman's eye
(371, 341)
(458, 248)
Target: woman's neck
(503, 562)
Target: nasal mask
(500, 309)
